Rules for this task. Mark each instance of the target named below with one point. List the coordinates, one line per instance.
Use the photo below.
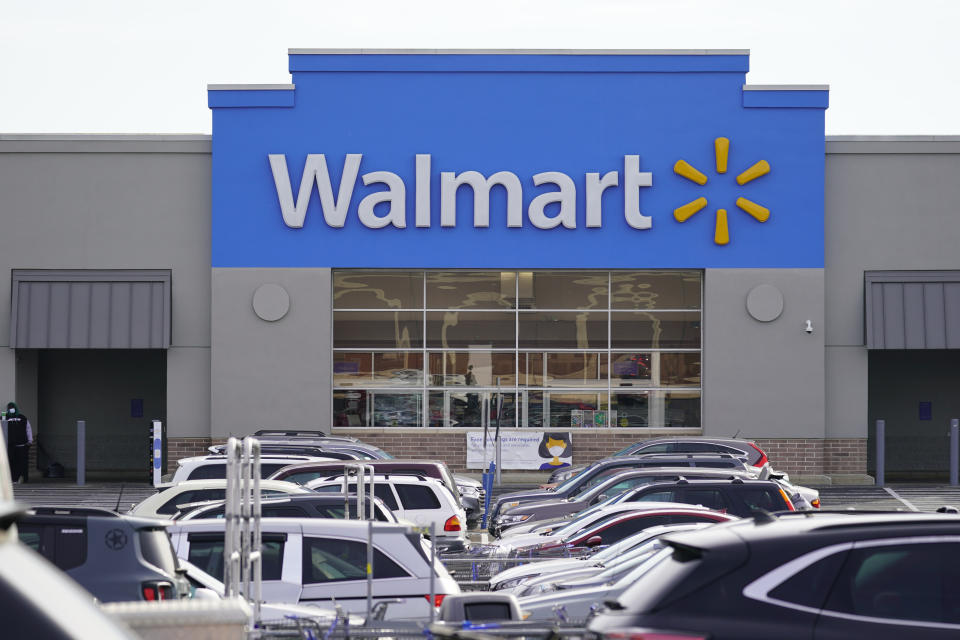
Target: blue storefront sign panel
(513, 160)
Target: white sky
(124, 66)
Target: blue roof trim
(520, 63)
(219, 99)
(789, 98)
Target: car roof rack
(74, 511)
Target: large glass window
(559, 348)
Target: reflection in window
(398, 368)
(655, 289)
(471, 368)
(563, 330)
(564, 290)
(569, 349)
(377, 289)
(655, 330)
(377, 329)
(471, 289)
(471, 409)
(464, 330)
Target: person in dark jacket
(19, 439)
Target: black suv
(823, 576)
(116, 558)
(602, 469)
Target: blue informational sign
(518, 161)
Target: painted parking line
(901, 499)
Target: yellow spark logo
(721, 234)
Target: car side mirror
(593, 541)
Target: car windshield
(631, 560)
(600, 505)
(579, 525)
(573, 481)
(624, 452)
(608, 555)
(651, 561)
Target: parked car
(214, 466)
(742, 498)
(167, 503)
(596, 574)
(754, 455)
(419, 500)
(39, 600)
(467, 491)
(310, 505)
(206, 587)
(577, 603)
(803, 575)
(293, 433)
(322, 448)
(472, 497)
(304, 472)
(114, 557)
(607, 526)
(612, 485)
(595, 474)
(324, 562)
(517, 577)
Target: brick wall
(812, 456)
(185, 448)
(845, 455)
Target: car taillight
(154, 591)
(815, 503)
(452, 524)
(640, 634)
(787, 500)
(763, 456)
(437, 598)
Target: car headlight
(509, 505)
(543, 587)
(510, 584)
(469, 490)
(514, 519)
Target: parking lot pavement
(898, 497)
(115, 496)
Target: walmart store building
(622, 243)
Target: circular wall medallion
(271, 302)
(765, 303)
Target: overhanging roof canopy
(90, 309)
(912, 309)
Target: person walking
(19, 439)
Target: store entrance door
(916, 393)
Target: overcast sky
(102, 66)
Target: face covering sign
(529, 450)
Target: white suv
(168, 502)
(214, 467)
(419, 500)
(323, 562)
